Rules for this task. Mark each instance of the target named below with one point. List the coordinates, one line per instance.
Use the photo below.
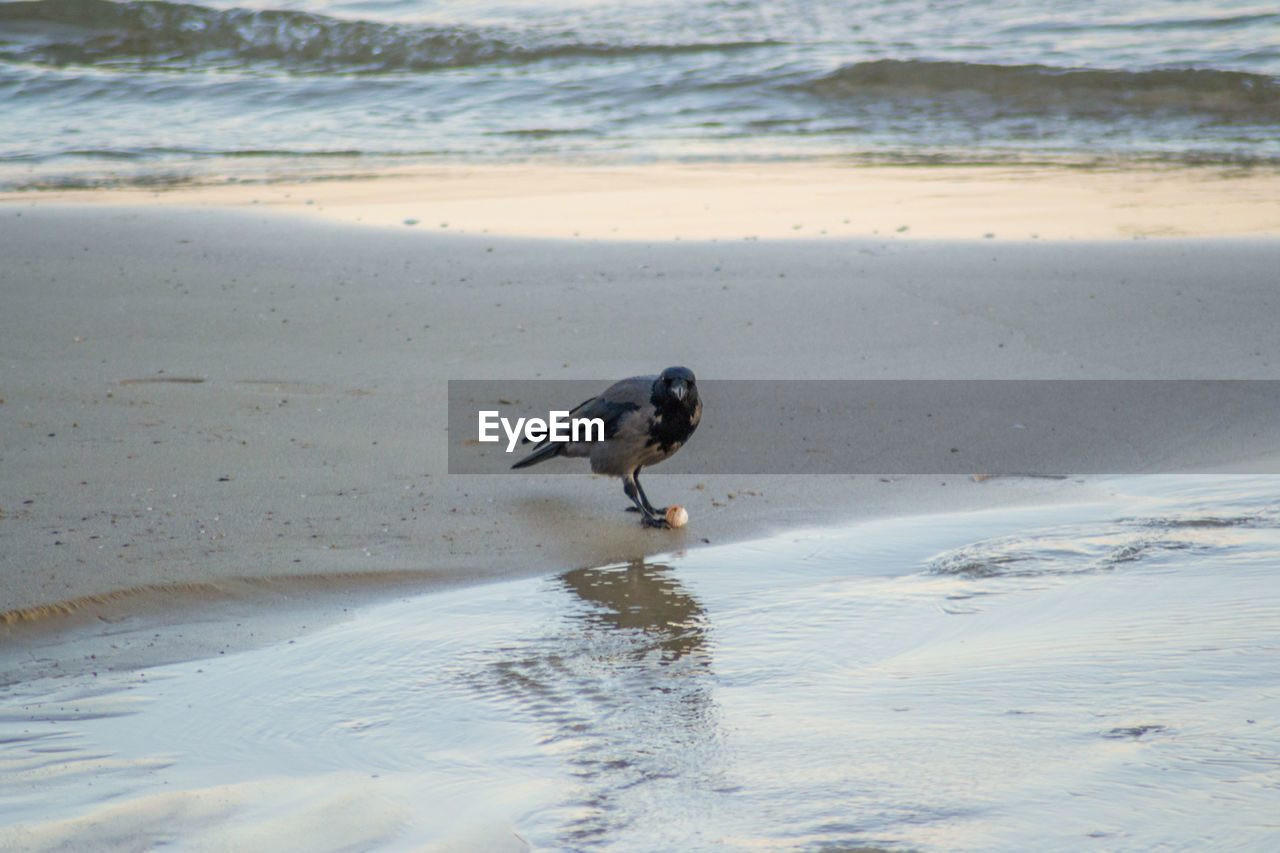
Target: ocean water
(98, 91)
(1098, 676)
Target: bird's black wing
(609, 411)
(626, 395)
(612, 412)
(621, 397)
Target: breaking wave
(152, 34)
(1038, 88)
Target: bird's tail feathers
(542, 453)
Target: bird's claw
(656, 521)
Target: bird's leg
(644, 499)
(640, 498)
(650, 517)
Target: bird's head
(677, 382)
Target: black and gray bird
(646, 419)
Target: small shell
(676, 516)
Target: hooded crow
(646, 419)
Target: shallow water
(95, 91)
(1100, 676)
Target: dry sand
(774, 201)
(206, 401)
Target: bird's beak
(679, 389)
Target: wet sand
(206, 400)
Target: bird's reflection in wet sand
(623, 682)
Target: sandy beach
(236, 393)
(224, 428)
